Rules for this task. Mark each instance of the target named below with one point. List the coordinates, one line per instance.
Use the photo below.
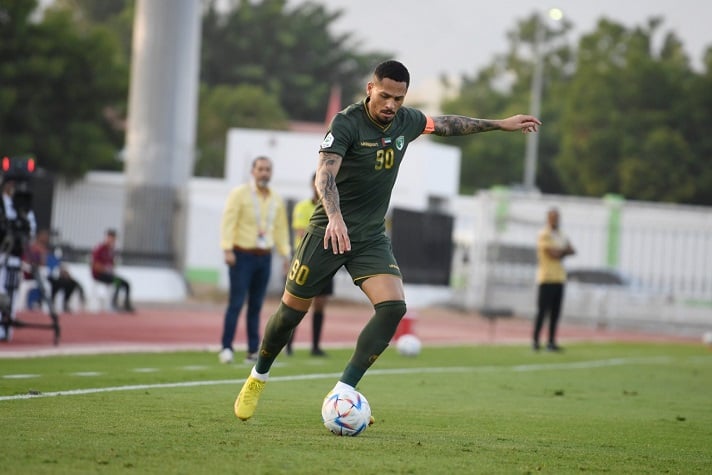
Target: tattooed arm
(336, 233)
(326, 170)
(451, 125)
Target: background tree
(624, 130)
(288, 52)
(503, 89)
(623, 110)
(57, 85)
(115, 15)
(223, 107)
(698, 112)
(621, 116)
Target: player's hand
(523, 122)
(337, 236)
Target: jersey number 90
(385, 159)
(298, 273)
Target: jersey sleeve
(420, 123)
(339, 137)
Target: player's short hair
(394, 70)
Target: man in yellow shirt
(254, 222)
(300, 220)
(552, 246)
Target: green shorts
(313, 266)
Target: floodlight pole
(160, 137)
(532, 147)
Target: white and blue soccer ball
(707, 338)
(346, 412)
(409, 345)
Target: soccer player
(357, 167)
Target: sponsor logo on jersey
(328, 141)
(369, 144)
(400, 142)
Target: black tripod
(12, 266)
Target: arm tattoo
(329, 164)
(449, 125)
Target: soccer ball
(707, 338)
(408, 345)
(346, 412)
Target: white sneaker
(225, 356)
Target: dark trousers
(548, 303)
(248, 279)
(120, 284)
(67, 286)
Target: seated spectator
(39, 254)
(102, 269)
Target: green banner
(613, 242)
(202, 275)
(501, 211)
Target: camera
(15, 222)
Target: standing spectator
(40, 254)
(102, 269)
(300, 221)
(254, 221)
(551, 248)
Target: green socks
(278, 331)
(374, 339)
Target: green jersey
(372, 154)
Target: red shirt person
(102, 269)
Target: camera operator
(17, 227)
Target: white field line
(373, 372)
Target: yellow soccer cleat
(249, 396)
(371, 421)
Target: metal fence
(665, 250)
(83, 211)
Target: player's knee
(287, 318)
(391, 310)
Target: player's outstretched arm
(451, 125)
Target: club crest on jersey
(385, 141)
(400, 142)
(328, 141)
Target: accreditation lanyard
(263, 225)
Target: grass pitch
(598, 408)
